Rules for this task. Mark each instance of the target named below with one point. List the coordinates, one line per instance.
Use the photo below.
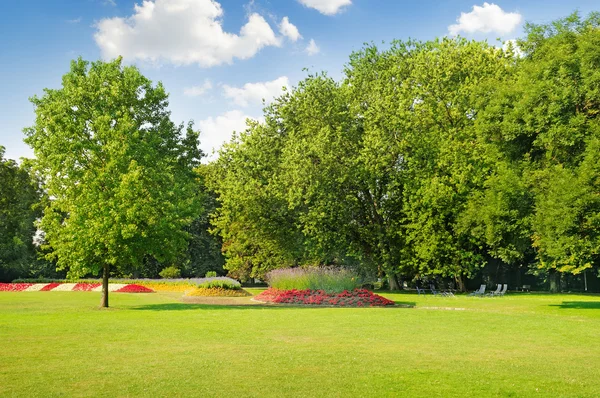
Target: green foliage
(376, 169)
(20, 196)
(428, 159)
(314, 278)
(211, 274)
(171, 272)
(118, 172)
(544, 122)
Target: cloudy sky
(220, 58)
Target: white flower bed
(36, 287)
(64, 287)
(116, 286)
(111, 287)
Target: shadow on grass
(581, 305)
(192, 307)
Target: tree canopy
(428, 159)
(19, 198)
(118, 172)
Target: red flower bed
(49, 287)
(85, 287)
(355, 298)
(14, 287)
(134, 289)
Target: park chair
(479, 292)
(420, 290)
(497, 291)
(503, 291)
(432, 288)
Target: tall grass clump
(215, 283)
(331, 280)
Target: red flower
(14, 287)
(358, 297)
(49, 287)
(134, 289)
(85, 287)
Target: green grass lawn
(61, 344)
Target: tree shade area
(448, 160)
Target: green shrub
(220, 283)
(331, 280)
(170, 273)
(211, 274)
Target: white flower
(64, 287)
(36, 287)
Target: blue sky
(218, 58)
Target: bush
(220, 284)
(170, 273)
(330, 280)
(211, 274)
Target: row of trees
(428, 158)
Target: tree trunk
(104, 302)
(554, 279)
(460, 282)
(393, 281)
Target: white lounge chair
(497, 291)
(503, 291)
(479, 292)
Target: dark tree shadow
(225, 307)
(582, 305)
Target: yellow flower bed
(166, 287)
(217, 291)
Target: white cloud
(76, 20)
(196, 91)
(254, 93)
(182, 32)
(214, 132)
(487, 18)
(312, 48)
(289, 30)
(327, 7)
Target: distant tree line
(428, 159)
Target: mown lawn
(61, 344)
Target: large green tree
(545, 123)
(418, 102)
(118, 171)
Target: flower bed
(86, 287)
(156, 285)
(49, 287)
(217, 292)
(14, 287)
(354, 298)
(134, 289)
(72, 287)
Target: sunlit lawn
(61, 344)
